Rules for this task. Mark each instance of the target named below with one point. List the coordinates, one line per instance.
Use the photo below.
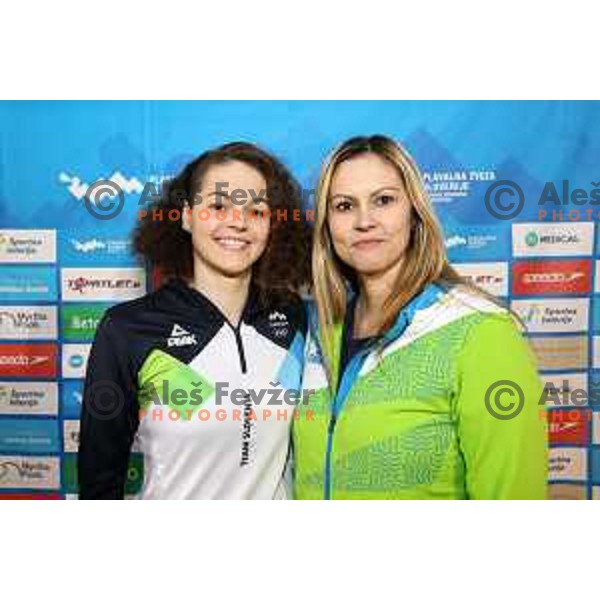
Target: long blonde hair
(425, 260)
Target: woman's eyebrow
(386, 188)
(342, 195)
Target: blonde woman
(425, 387)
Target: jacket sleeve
(109, 418)
(501, 425)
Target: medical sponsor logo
(28, 360)
(567, 463)
(28, 322)
(560, 388)
(71, 436)
(28, 398)
(553, 315)
(28, 245)
(492, 276)
(180, 337)
(551, 239)
(560, 353)
(29, 472)
(102, 284)
(567, 491)
(28, 435)
(21, 284)
(569, 426)
(81, 320)
(88, 247)
(72, 398)
(538, 278)
(74, 360)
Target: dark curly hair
(284, 267)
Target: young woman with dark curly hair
(204, 369)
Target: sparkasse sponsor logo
(28, 397)
(553, 315)
(28, 245)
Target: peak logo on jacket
(180, 337)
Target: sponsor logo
(28, 360)
(71, 436)
(552, 315)
(567, 463)
(492, 277)
(28, 435)
(36, 496)
(95, 245)
(596, 353)
(18, 284)
(278, 322)
(80, 321)
(475, 243)
(27, 245)
(560, 353)
(595, 464)
(567, 491)
(101, 283)
(72, 398)
(568, 427)
(563, 389)
(133, 484)
(549, 239)
(74, 360)
(180, 337)
(80, 247)
(28, 322)
(28, 397)
(29, 472)
(552, 277)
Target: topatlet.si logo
(180, 337)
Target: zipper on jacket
(240, 346)
(330, 430)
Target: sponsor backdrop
(516, 186)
